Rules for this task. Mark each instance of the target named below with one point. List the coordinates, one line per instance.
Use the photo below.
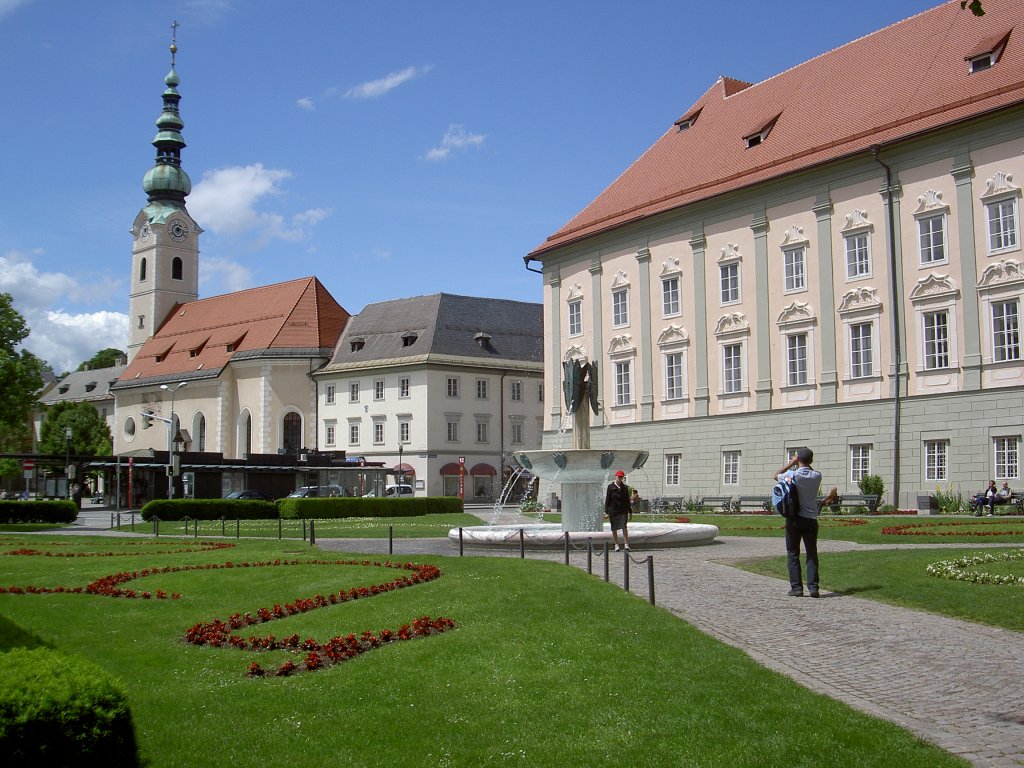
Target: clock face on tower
(144, 232)
(177, 229)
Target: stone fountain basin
(641, 535)
(577, 465)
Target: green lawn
(547, 667)
(899, 577)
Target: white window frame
(481, 389)
(936, 461)
(927, 234)
(733, 368)
(330, 431)
(452, 387)
(671, 304)
(353, 433)
(378, 432)
(353, 392)
(729, 283)
(574, 319)
(516, 391)
(1006, 457)
(858, 258)
(452, 431)
(517, 432)
(675, 374)
(859, 368)
(404, 429)
(1009, 348)
(673, 461)
(403, 388)
(378, 389)
(482, 432)
(623, 379)
(1005, 237)
(329, 394)
(860, 462)
(797, 373)
(620, 307)
(731, 467)
(794, 261)
(935, 339)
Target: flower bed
(957, 570)
(935, 529)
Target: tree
(105, 358)
(90, 435)
(974, 5)
(20, 379)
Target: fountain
(583, 474)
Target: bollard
(303, 529)
(566, 547)
(238, 527)
(312, 533)
(606, 564)
(186, 525)
(590, 556)
(111, 519)
(460, 541)
(650, 579)
(625, 570)
(222, 524)
(119, 521)
(156, 526)
(279, 527)
(391, 539)
(133, 522)
(522, 545)
(195, 528)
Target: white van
(394, 492)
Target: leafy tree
(105, 358)
(974, 5)
(90, 434)
(20, 379)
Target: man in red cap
(618, 507)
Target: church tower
(165, 239)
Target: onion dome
(167, 180)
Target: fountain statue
(582, 474)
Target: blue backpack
(785, 498)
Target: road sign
(27, 465)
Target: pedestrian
(618, 507)
(804, 526)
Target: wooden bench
(666, 505)
(848, 500)
(721, 503)
(756, 503)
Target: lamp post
(67, 461)
(401, 469)
(171, 429)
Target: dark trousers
(803, 529)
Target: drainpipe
(526, 263)
(897, 347)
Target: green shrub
(951, 501)
(210, 509)
(337, 507)
(59, 711)
(871, 484)
(43, 511)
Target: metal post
(566, 547)
(522, 545)
(625, 570)
(238, 528)
(222, 524)
(111, 519)
(156, 526)
(312, 533)
(391, 539)
(303, 529)
(650, 579)
(460, 542)
(606, 564)
(279, 527)
(195, 528)
(590, 556)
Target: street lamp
(171, 429)
(401, 469)
(67, 461)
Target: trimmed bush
(43, 511)
(210, 509)
(60, 711)
(342, 506)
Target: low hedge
(210, 509)
(342, 506)
(43, 511)
(60, 711)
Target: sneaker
(627, 547)
(618, 548)
(796, 593)
(815, 593)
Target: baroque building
(828, 258)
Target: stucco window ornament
(673, 336)
(999, 185)
(1001, 274)
(797, 313)
(794, 238)
(856, 221)
(859, 300)
(575, 352)
(575, 292)
(670, 267)
(934, 286)
(730, 252)
(732, 324)
(930, 204)
(621, 345)
(621, 280)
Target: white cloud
(455, 138)
(219, 275)
(8, 6)
(375, 88)
(306, 103)
(63, 338)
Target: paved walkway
(956, 684)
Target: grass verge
(547, 666)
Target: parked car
(393, 492)
(248, 494)
(316, 491)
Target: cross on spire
(174, 39)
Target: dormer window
(63, 389)
(685, 123)
(234, 345)
(987, 53)
(758, 136)
(357, 344)
(408, 339)
(198, 349)
(90, 386)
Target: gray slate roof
(444, 325)
(84, 386)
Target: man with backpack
(804, 525)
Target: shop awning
(451, 468)
(405, 469)
(483, 469)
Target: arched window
(243, 440)
(199, 432)
(142, 269)
(292, 433)
(176, 268)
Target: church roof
(80, 386)
(904, 80)
(442, 328)
(198, 339)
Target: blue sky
(392, 149)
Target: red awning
(405, 469)
(483, 469)
(451, 469)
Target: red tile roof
(203, 335)
(903, 80)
